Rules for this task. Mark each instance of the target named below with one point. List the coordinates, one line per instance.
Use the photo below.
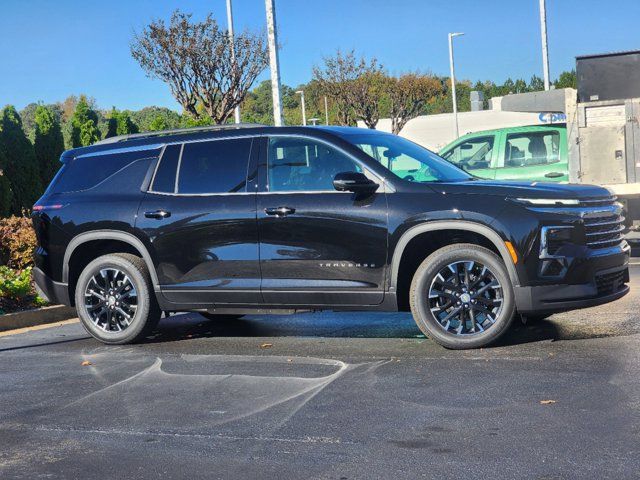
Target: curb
(39, 316)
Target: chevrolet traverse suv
(235, 219)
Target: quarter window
(303, 164)
(533, 148)
(214, 167)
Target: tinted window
(165, 179)
(214, 167)
(472, 153)
(297, 164)
(533, 148)
(87, 172)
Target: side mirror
(355, 182)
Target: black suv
(242, 218)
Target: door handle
(157, 214)
(554, 175)
(279, 211)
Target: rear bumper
(606, 286)
(53, 292)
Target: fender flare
(129, 238)
(474, 227)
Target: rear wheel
(461, 297)
(115, 299)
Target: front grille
(603, 223)
(610, 282)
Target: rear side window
(86, 172)
(165, 178)
(218, 166)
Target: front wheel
(115, 299)
(461, 297)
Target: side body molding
(109, 235)
(478, 228)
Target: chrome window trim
(155, 170)
(175, 186)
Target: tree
(408, 94)
(194, 59)
(355, 86)
(84, 124)
(120, 123)
(155, 118)
(6, 195)
(21, 166)
(48, 143)
(567, 80)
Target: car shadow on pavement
(356, 325)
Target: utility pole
(453, 82)
(274, 63)
(304, 110)
(543, 34)
(326, 111)
(236, 111)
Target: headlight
(548, 201)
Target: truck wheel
(220, 317)
(115, 299)
(461, 296)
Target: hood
(523, 189)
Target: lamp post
(236, 111)
(304, 112)
(545, 52)
(326, 111)
(453, 82)
(274, 62)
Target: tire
(487, 303)
(220, 317)
(139, 303)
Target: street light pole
(304, 112)
(543, 34)
(453, 82)
(236, 111)
(274, 63)
(326, 111)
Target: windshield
(406, 159)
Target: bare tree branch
(408, 95)
(194, 59)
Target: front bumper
(53, 292)
(605, 286)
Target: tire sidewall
(422, 282)
(142, 312)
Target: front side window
(304, 164)
(406, 159)
(532, 148)
(218, 166)
(473, 153)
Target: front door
(202, 225)
(318, 246)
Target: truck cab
(530, 153)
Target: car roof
(151, 140)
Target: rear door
(200, 219)
(318, 246)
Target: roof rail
(176, 131)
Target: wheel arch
(489, 234)
(115, 235)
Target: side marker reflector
(512, 252)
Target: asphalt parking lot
(328, 396)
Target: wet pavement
(327, 396)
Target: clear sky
(53, 48)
